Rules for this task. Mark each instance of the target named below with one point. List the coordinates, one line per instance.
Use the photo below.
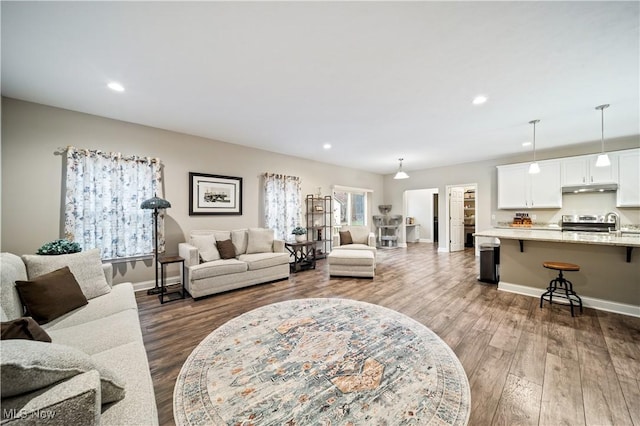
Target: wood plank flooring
(526, 365)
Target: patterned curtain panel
(103, 196)
(282, 204)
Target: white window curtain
(282, 203)
(103, 196)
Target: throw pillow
(51, 295)
(28, 366)
(239, 239)
(23, 328)
(345, 238)
(226, 249)
(86, 266)
(206, 245)
(260, 240)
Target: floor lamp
(155, 204)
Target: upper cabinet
(518, 189)
(582, 170)
(628, 178)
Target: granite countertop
(631, 239)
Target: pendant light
(401, 174)
(534, 167)
(603, 159)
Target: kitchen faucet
(616, 219)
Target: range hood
(594, 187)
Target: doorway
(420, 223)
(461, 209)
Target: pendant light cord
(534, 138)
(602, 108)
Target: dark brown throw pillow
(51, 295)
(23, 328)
(226, 249)
(345, 238)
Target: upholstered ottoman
(352, 263)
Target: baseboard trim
(443, 250)
(146, 285)
(589, 302)
(425, 240)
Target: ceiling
(376, 80)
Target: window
(102, 203)
(351, 207)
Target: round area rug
(322, 362)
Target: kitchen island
(609, 276)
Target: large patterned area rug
(322, 362)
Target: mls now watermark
(13, 413)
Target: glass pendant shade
(603, 158)
(401, 174)
(603, 161)
(534, 167)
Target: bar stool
(557, 285)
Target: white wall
(32, 175)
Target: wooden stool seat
(561, 266)
(560, 285)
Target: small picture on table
(318, 208)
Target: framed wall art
(214, 194)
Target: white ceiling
(378, 80)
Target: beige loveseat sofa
(259, 258)
(96, 345)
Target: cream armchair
(361, 236)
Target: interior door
(456, 221)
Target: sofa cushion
(226, 249)
(101, 334)
(240, 238)
(121, 298)
(51, 295)
(12, 270)
(28, 365)
(260, 240)
(23, 328)
(217, 267)
(264, 260)
(86, 266)
(206, 245)
(345, 238)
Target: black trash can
(489, 263)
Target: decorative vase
(301, 238)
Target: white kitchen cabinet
(518, 189)
(628, 178)
(582, 170)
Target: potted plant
(59, 247)
(300, 233)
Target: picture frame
(214, 194)
(318, 209)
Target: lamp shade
(401, 174)
(155, 203)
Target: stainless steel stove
(587, 223)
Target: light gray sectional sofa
(259, 258)
(98, 345)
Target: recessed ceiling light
(479, 100)
(327, 146)
(526, 143)
(115, 86)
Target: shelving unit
(469, 217)
(319, 223)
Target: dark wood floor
(526, 365)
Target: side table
(304, 255)
(170, 295)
